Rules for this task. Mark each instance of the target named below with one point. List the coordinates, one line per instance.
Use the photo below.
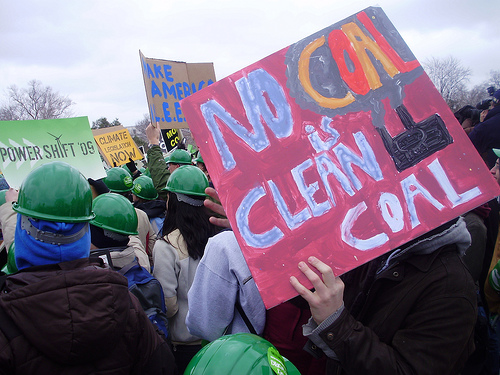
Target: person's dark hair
(466, 112)
(192, 222)
(127, 194)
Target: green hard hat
(118, 180)
(55, 191)
(145, 171)
(115, 213)
(242, 354)
(198, 158)
(2, 196)
(144, 188)
(179, 157)
(10, 267)
(497, 152)
(187, 179)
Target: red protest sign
(338, 146)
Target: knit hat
(98, 186)
(41, 242)
(102, 238)
(496, 96)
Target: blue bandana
(41, 242)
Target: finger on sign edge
(301, 289)
(325, 270)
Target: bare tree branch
(34, 103)
(450, 78)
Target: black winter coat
(415, 317)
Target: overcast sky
(88, 50)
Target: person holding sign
(157, 165)
(419, 298)
(410, 311)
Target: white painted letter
(292, 221)
(455, 198)
(392, 212)
(357, 243)
(261, 240)
(308, 191)
(410, 197)
(368, 163)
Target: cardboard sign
(116, 145)
(26, 145)
(338, 146)
(167, 83)
(171, 138)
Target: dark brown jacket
(415, 317)
(78, 318)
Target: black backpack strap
(242, 313)
(245, 318)
(7, 325)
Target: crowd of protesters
(85, 261)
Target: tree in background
(450, 78)
(139, 141)
(479, 94)
(139, 135)
(104, 123)
(494, 79)
(140, 127)
(36, 102)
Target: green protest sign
(25, 145)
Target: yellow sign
(116, 145)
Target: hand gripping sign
(338, 146)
